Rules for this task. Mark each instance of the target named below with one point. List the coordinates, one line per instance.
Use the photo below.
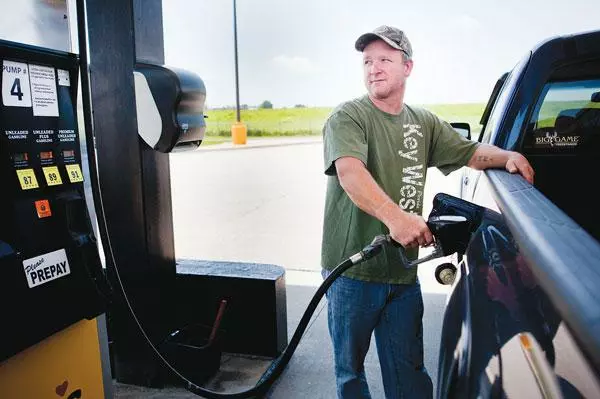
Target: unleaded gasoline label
(47, 267)
(27, 179)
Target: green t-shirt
(397, 150)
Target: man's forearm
(364, 191)
(405, 228)
(488, 156)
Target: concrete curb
(261, 143)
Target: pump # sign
(47, 267)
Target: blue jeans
(394, 312)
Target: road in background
(262, 205)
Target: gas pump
(52, 286)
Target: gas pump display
(51, 275)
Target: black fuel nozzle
(451, 234)
(451, 221)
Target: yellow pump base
(66, 365)
(239, 133)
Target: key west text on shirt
(411, 191)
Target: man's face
(385, 70)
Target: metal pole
(237, 81)
(239, 131)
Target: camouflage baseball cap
(392, 36)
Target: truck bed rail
(564, 258)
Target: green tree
(266, 104)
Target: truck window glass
(492, 100)
(503, 99)
(566, 119)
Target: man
(377, 150)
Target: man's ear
(408, 66)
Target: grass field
(269, 122)
(309, 121)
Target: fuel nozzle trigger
(436, 253)
(451, 233)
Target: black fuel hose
(278, 365)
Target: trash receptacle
(195, 350)
(239, 133)
(193, 353)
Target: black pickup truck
(523, 315)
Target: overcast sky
(302, 51)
